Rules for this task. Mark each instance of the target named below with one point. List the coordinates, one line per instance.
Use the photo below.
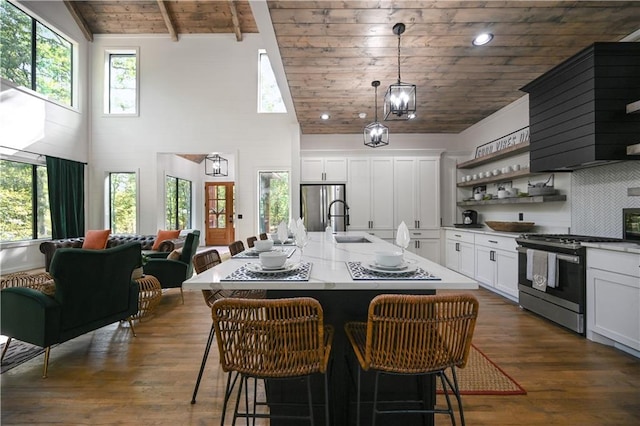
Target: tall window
(24, 201)
(274, 202)
(34, 56)
(178, 199)
(121, 82)
(122, 203)
(269, 97)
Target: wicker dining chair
(236, 247)
(272, 339)
(201, 262)
(414, 335)
(264, 236)
(251, 241)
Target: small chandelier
(400, 99)
(376, 134)
(214, 165)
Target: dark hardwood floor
(110, 377)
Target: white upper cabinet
(417, 192)
(370, 193)
(323, 169)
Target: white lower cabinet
(426, 244)
(459, 252)
(496, 261)
(613, 298)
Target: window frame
(259, 190)
(177, 180)
(73, 86)
(263, 53)
(106, 93)
(107, 195)
(34, 165)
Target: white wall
(31, 123)
(197, 96)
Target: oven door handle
(563, 257)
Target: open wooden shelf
(507, 152)
(500, 178)
(515, 200)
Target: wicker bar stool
(264, 236)
(236, 247)
(414, 335)
(201, 262)
(251, 241)
(272, 339)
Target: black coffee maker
(470, 217)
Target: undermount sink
(350, 239)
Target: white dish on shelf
(259, 269)
(403, 268)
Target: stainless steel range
(565, 303)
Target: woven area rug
(18, 353)
(483, 377)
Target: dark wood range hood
(578, 110)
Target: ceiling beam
(82, 24)
(167, 20)
(235, 20)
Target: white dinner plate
(404, 268)
(259, 269)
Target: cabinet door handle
(417, 233)
(493, 241)
(458, 235)
(492, 255)
(418, 225)
(457, 246)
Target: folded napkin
(283, 234)
(403, 237)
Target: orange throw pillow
(164, 235)
(96, 240)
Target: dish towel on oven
(538, 269)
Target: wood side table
(150, 295)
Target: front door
(219, 208)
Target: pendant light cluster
(399, 104)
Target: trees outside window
(34, 56)
(123, 203)
(122, 82)
(269, 96)
(274, 203)
(24, 201)
(178, 199)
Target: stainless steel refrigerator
(322, 205)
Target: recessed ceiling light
(362, 115)
(324, 116)
(482, 39)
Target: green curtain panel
(66, 197)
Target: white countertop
(618, 246)
(329, 271)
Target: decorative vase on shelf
(137, 273)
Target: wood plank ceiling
(333, 50)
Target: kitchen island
(343, 299)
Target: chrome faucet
(345, 215)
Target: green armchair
(172, 273)
(93, 288)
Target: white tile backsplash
(599, 195)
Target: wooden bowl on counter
(510, 226)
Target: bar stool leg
(204, 362)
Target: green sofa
(93, 288)
(173, 272)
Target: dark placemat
(359, 272)
(302, 273)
